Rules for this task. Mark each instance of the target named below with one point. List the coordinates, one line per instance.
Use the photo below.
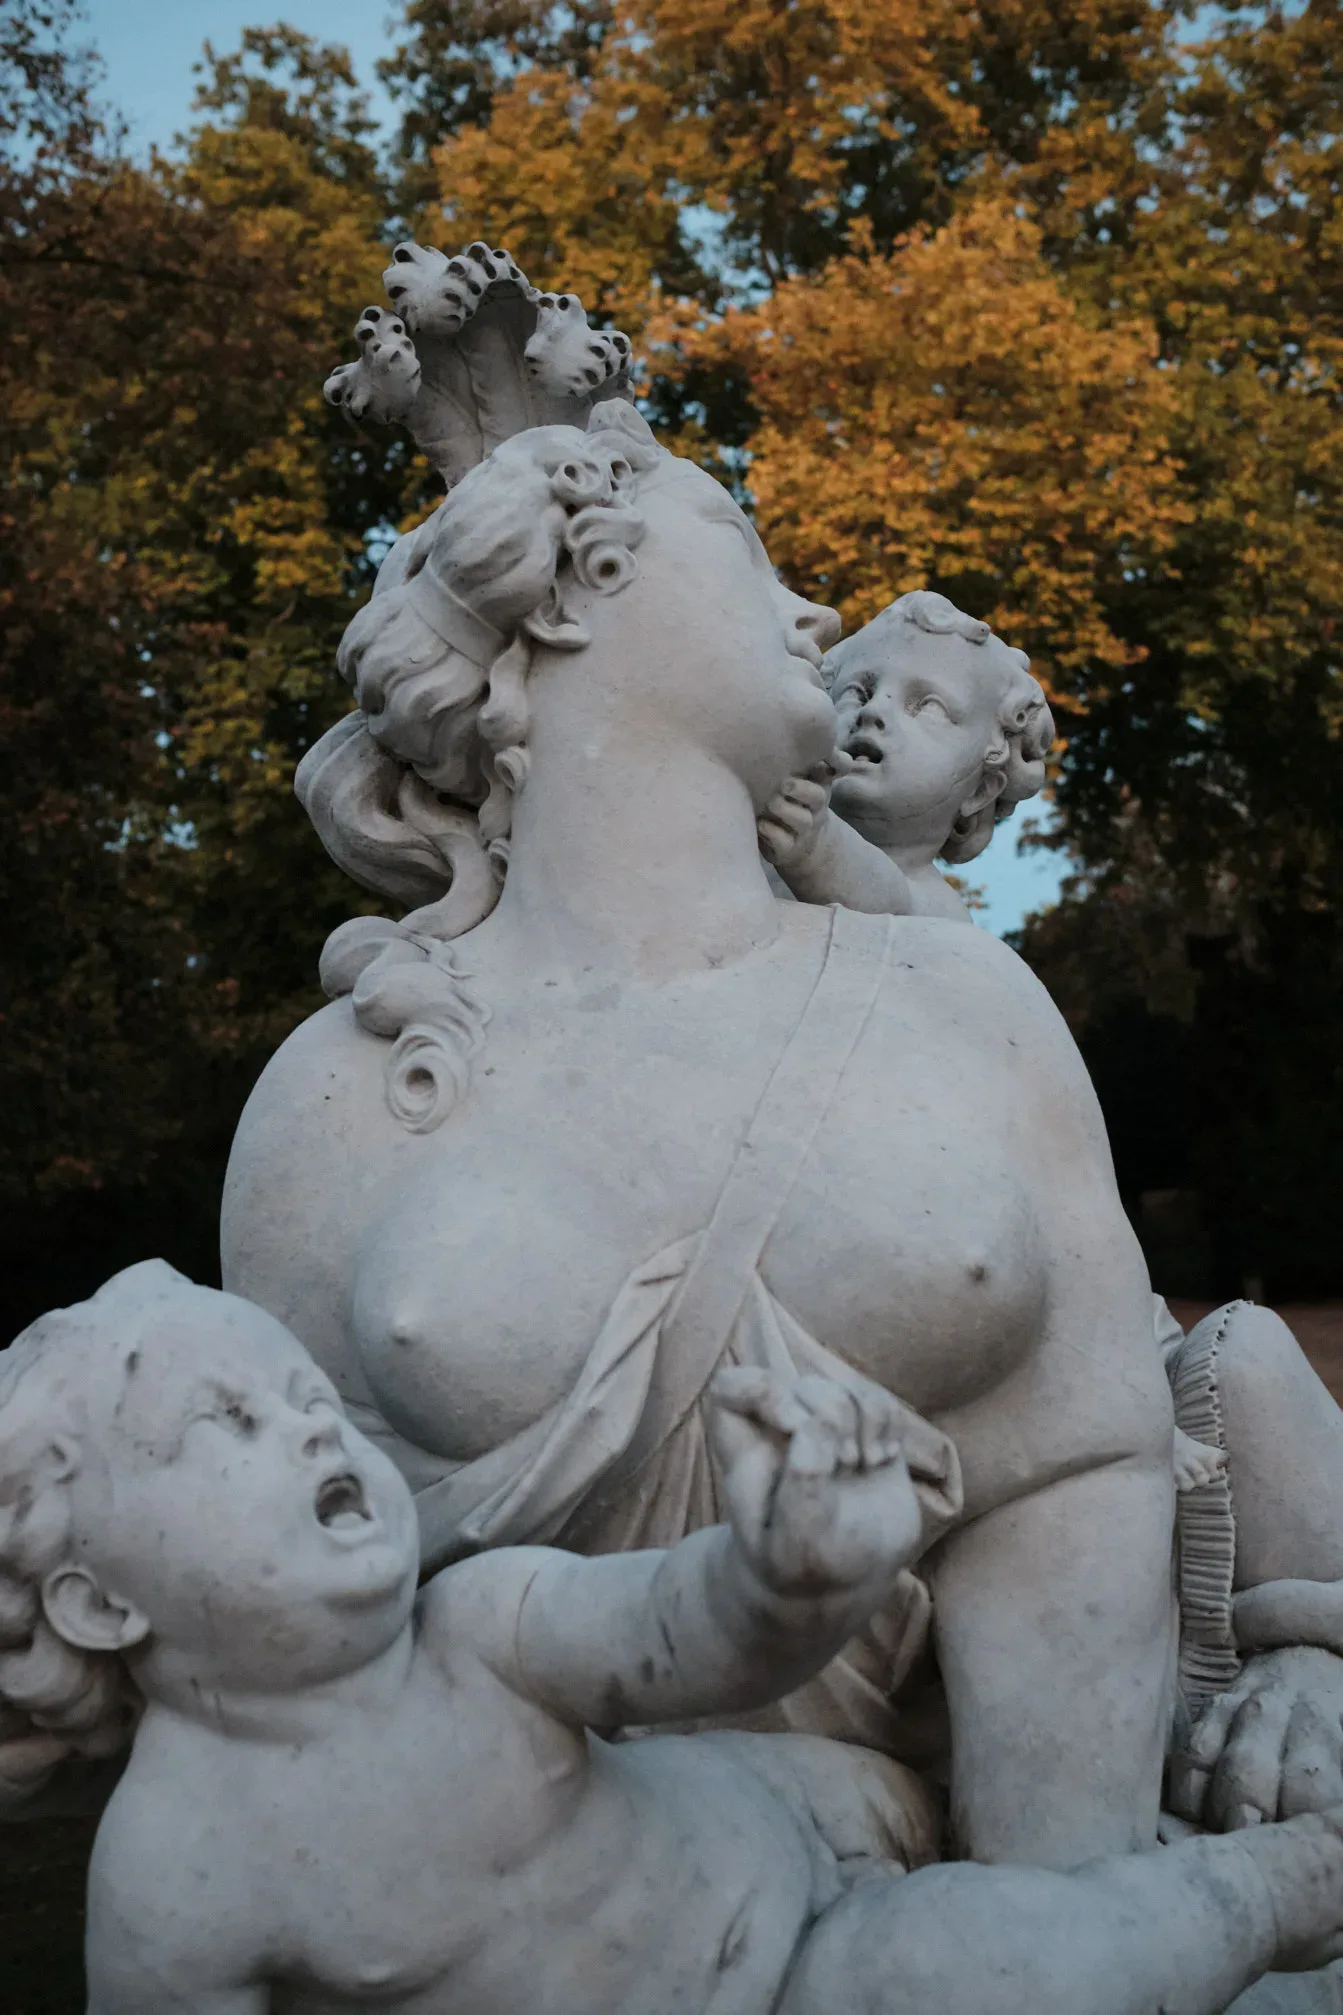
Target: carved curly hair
(413, 794)
(55, 1700)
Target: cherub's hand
(1270, 1747)
(791, 822)
(794, 819)
(1196, 1462)
(818, 1489)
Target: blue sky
(148, 48)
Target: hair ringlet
(418, 787)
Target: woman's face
(719, 649)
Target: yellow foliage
(748, 108)
(574, 184)
(950, 416)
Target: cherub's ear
(975, 820)
(82, 1616)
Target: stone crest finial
(470, 353)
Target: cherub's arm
(825, 861)
(825, 1517)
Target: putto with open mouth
(402, 1796)
(946, 733)
(341, 1504)
(862, 749)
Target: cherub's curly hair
(55, 1700)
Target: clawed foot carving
(386, 377)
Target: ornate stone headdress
(470, 353)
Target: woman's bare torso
(457, 1279)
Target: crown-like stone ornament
(470, 354)
(384, 381)
(567, 358)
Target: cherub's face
(228, 1499)
(918, 713)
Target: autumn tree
(1205, 793)
(1034, 303)
(1038, 305)
(187, 529)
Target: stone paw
(438, 295)
(566, 357)
(383, 382)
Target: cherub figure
(344, 1792)
(942, 732)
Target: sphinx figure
(599, 1120)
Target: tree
(1205, 794)
(789, 119)
(459, 55)
(187, 529)
(949, 415)
(1124, 451)
(1035, 302)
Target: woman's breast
(911, 1249)
(479, 1295)
(907, 1247)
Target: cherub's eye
(320, 1402)
(927, 703)
(856, 693)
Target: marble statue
(608, 1193)
(346, 1792)
(942, 731)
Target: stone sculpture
(343, 1792)
(600, 1123)
(942, 731)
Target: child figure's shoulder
(167, 1879)
(471, 1611)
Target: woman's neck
(629, 861)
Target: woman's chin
(814, 727)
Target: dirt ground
(42, 1865)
